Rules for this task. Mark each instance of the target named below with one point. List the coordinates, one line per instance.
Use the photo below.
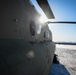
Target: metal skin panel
(21, 53)
(14, 52)
(16, 18)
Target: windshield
(63, 10)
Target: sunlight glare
(43, 19)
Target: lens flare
(43, 19)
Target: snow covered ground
(67, 58)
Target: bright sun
(43, 19)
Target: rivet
(15, 20)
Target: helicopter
(26, 46)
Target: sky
(63, 10)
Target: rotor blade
(46, 8)
(63, 22)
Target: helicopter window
(38, 29)
(46, 34)
(35, 28)
(32, 28)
